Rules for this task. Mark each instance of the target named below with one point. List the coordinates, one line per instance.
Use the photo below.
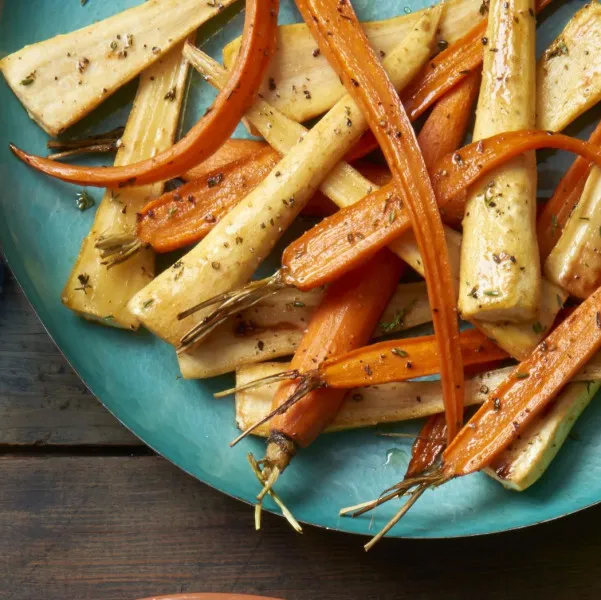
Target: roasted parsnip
(93, 290)
(500, 268)
(527, 458)
(61, 80)
(575, 261)
(568, 80)
(274, 327)
(302, 84)
(232, 251)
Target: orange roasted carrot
(428, 446)
(232, 151)
(185, 215)
(258, 44)
(339, 35)
(345, 320)
(454, 173)
(552, 219)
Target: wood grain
(126, 528)
(42, 401)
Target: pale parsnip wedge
(346, 186)
(61, 80)
(524, 462)
(568, 75)
(364, 407)
(275, 326)
(92, 290)
(575, 261)
(233, 250)
(500, 268)
(301, 83)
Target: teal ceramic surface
(136, 376)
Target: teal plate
(136, 376)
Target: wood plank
(42, 401)
(119, 528)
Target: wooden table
(86, 511)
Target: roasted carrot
(455, 172)
(343, 41)
(184, 216)
(553, 217)
(385, 362)
(514, 405)
(345, 320)
(428, 446)
(258, 44)
(233, 150)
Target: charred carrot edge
(552, 219)
(258, 44)
(428, 446)
(341, 38)
(455, 172)
(440, 75)
(185, 215)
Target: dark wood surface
(86, 512)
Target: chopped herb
(29, 79)
(497, 403)
(397, 321)
(392, 216)
(84, 200)
(559, 301)
(215, 180)
(108, 318)
(148, 303)
(171, 94)
(399, 352)
(298, 304)
(522, 375)
(84, 2)
(172, 212)
(492, 293)
(538, 327)
(554, 224)
(560, 50)
(84, 280)
(585, 218)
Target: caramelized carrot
(553, 217)
(258, 44)
(232, 151)
(428, 446)
(454, 173)
(185, 215)
(343, 41)
(345, 320)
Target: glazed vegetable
(208, 134)
(527, 458)
(384, 362)
(275, 326)
(300, 82)
(568, 81)
(185, 215)
(500, 276)
(62, 79)
(428, 446)
(554, 216)
(92, 290)
(343, 321)
(230, 254)
(404, 401)
(513, 406)
(574, 263)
